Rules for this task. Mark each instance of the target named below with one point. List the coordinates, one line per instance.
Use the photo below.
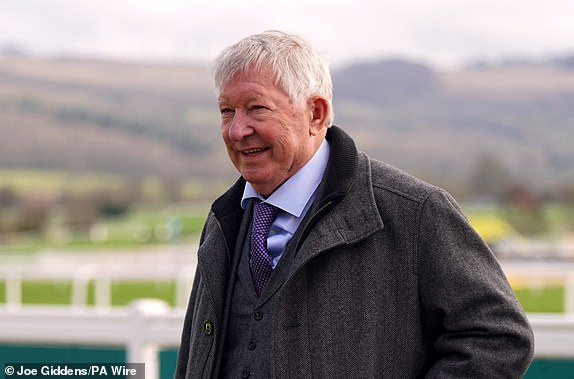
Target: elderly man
(322, 263)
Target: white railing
(81, 268)
(553, 335)
(148, 325)
(178, 265)
(143, 328)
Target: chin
(264, 188)
(253, 175)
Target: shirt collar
(293, 195)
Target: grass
(541, 300)
(554, 220)
(534, 300)
(137, 228)
(123, 292)
(54, 182)
(157, 224)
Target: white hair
(297, 68)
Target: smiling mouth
(251, 152)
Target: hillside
(108, 117)
(447, 124)
(161, 120)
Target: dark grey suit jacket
(389, 281)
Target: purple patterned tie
(263, 215)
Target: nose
(239, 127)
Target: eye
(225, 111)
(258, 107)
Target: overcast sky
(443, 32)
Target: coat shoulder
(388, 178)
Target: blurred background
(110, 151)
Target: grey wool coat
(389, 281)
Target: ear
(319, 110)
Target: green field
(542, 300)
(148, 214)
(122, 292)
(545, 299)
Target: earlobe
(319, 112)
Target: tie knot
(263, 216)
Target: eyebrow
(221, 100)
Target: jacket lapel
(216, 249)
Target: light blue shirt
(293, 198)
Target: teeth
(252, 151)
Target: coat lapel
(216, 250)
(213, 263)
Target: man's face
(268, 138)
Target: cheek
(286, 151)
(227, 143)
(225, 135)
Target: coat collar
(347, 212)
(342, 166)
